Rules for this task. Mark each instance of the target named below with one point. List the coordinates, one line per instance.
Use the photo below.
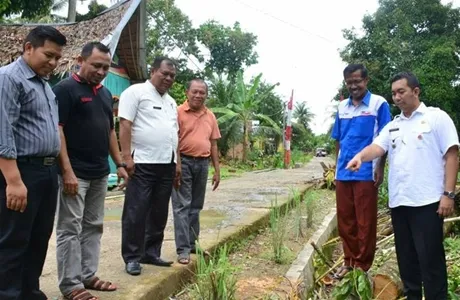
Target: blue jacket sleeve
(383, 116)
(336, 129)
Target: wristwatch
(450, 195)
(122, 165)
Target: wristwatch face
(450, 195)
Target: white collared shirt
(416, 147)
(155, 131)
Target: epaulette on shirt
(433, 108)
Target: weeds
(296, 206)
(309, 199)
(216, 278)
(278, 228)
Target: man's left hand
(446, 207)
(178, 176)
(122, 173)
(215, 181)
(378, 177)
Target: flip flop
(341, 272)
(183, 259)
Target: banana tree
(242, 110)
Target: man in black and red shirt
(87, 137)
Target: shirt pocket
(363, 126)
(150, 108)
(422, 136)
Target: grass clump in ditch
(215, 277)
(278, 229)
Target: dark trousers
(420, 251)
(357, 221)
(188, 201)
(145, 211)
(24, 236)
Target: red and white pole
(288, 133)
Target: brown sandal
(100, 285)
(80, 294)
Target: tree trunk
(72, 12)
(245, 141)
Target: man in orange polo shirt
(198, 134)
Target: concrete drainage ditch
(301, 272)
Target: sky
(298, 42)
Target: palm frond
(269, 121)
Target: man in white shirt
(149, 141)
(422, 145)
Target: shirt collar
(80, 79)
(365, 100)
(187, 107)
(28, 72)
(150, 84)
(421, 109)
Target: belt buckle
(48, 161)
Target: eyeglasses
(354, 82)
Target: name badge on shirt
(157, 107)
(394, 135)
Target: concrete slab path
(239, 205)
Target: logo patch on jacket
(86, 99)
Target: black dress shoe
(133, 268)
(157, 261)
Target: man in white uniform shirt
(149, 140)
(422, 145)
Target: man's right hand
(130, 166)
(16, 196)
(70, 183)
(354, 164)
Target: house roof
(107, 27)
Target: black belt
(194, 157)
(40, 160)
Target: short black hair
(158, 60)
(353, 68)
(37, 36)
(87, 49)
(412, 80)
(189, 84)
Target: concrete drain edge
(301, 272)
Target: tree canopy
(231, 48)
(418, 36)
(26, 8)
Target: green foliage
(169, 28)
(26, 8)
(221, 93)
(383, 191)
(215, 277)
(93, 10)
(355, 283)
(177, 91)
(303, 115)
(452, 247)
(231, 48)
(420, 36)
(242, 109)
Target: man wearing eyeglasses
(359, 120)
